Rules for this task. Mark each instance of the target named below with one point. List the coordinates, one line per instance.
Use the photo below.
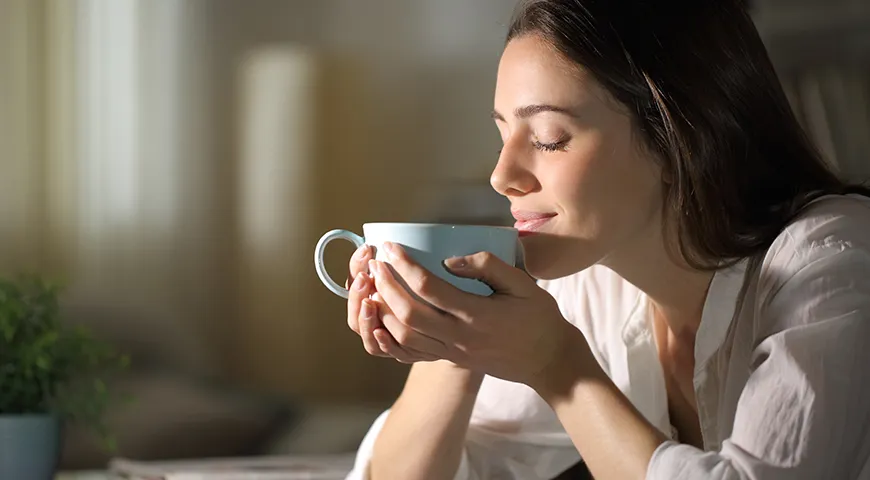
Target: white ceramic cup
(429, 245)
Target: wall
(123, 150)
(405, 97)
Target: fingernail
(362, 253)
(374, 267)
(359, 282)
(366, 311)
(391, 249)
(456, 263)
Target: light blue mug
(429, 245)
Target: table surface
(303, 466)
(90, 475)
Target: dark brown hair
(696, 77)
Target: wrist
(470, 379)
(572, 366)
(453, 376)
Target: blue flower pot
(29, 446)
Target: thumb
(491, 270)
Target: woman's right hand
(365, 311)
(360, 288)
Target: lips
(530, 222)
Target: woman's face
(581, 188)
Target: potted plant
(50, 373)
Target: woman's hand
(362, 315)
(514, 334)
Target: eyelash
(546, 147)
(550, 147)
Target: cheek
(605, 186)
(575, 177)
(589, 179)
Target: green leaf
(8, 331)
(43, 362)
(47, 366)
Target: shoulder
(817, 264)
(829, 225)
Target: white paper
(308, 467)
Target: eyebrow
(532, 110)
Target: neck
(677, 291)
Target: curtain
(822, 53)
(833, 103)
(22, 55)
(149, 160)
(107, 184)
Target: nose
(512, 176)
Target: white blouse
(782, 381)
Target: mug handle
(320, 249)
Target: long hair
(704, 96)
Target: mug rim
(437, 225)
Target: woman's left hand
(514, 334)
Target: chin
(548, 257)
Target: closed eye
(551, 147)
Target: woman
(703, 304)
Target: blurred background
(175, 161)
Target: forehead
(531, 71)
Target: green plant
(48, 367)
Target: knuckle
(353, 324)
(423, 284)
(371, 349)
(385, 349)
(364, 327)
(403, 314)
(485, 259)
(411, 321)
(402, 336)
(360, 254)
(368, 325)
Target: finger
(424, 283)
(388, 344)
(410, 312)
(368, 322)
(361, 288)
(385, 315)
(359, 262)
(493, 271)
(409, 339)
